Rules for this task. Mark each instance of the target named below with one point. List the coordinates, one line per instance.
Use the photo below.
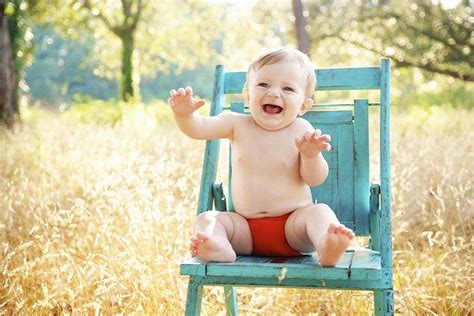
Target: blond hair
(287, 54)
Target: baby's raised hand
(312, 143)
(182, 102)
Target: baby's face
(276, 94)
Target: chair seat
(355, 264)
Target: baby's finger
(298, 141)
(181, 91)
(308, 135)
(317, 132)
(189, 90)
(325, 138)
(199, 103)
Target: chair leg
(194, 297)
(383, 302)
(230, 301)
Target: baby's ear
(245, 95)
(306, 106)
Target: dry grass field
(95, 219)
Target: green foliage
(64, 68)
(113, 112)
(459, 96)
(417, 33)
(200, 79)
(101, 112)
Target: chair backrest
(347, 188)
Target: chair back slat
(361, 78)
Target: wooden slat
(345, 173)
(234, 82)
(238, 107)
(193, 266)
(230, 300)
(328, 117)
(314, 117)
(361, 167)
(385, 186)
(348, 78)
(327, 191)
(218, 195)
(356, 264)
(361, 78)
(274, 267)
(302, 283)
(375, 238)
(365, 265)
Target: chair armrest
(374, 198)
(375, 238)
(218, 196)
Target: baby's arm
(313, 167)
(193, 124)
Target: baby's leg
(316, 227)
(218, 236)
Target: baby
(276, 156)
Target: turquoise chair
(360, 205)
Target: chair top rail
(359, 78)
(316, 106)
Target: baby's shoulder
(303, 125)
(232, 117)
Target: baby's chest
(265, 153)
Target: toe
(350, 233)
(332, 228)
(202, 236)
(340, 230)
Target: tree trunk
(301, 33)
(127, 90)
(8, 110)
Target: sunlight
(447, 4)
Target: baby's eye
(288, 89)
(263, 85)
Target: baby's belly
(270, 200)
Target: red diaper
(268, 235)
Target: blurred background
(98, 189)
(70, 51)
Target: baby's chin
(270, 124)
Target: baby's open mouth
(272, 109)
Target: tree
(148, 35)
(414, 33)
(420, 34)
(302, 37)
(10, 34)
(125, 30)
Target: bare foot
(333, 244)
(212, 248)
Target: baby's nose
(274, 92)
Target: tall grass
(96, 218)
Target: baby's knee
(323, 207)
(208, 216)
(318, 207)
(320, 210)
